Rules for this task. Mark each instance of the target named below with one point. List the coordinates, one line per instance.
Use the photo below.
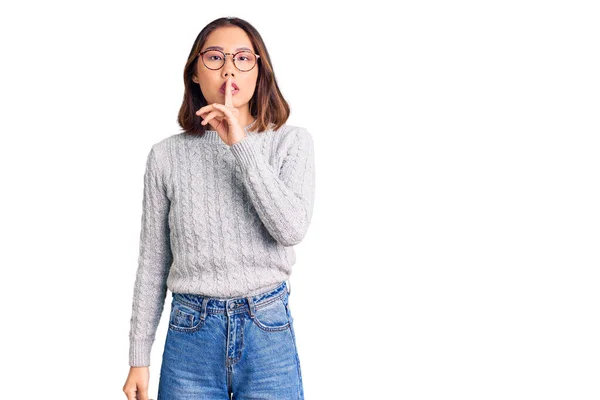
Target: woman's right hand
(136, 386)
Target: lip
(233, 85)
(222, 91)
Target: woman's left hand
(224, 117)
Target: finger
(228, 95)
(215, 123)
(224, 110)
(132, 394)
(204, 110)
(142, 393)
(211, 115)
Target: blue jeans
(243, 347)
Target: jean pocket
(272, 316)
(184, 318)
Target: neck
(245, 117)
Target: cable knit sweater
(219, 220)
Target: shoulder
(287, 130)
(163, 145)
(159, 151)
(291, 136)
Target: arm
(154, 262)
(283, 199)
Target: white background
(453, 252)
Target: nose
(229, 67)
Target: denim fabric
(240, 348)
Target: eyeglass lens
(214, 59)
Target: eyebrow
(220, 48)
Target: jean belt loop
(204, 307)
(289, 287)
(251, 306)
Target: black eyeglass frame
(201, 55)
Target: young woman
(224, 202)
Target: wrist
(238, 139)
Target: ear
(195, 78)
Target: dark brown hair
(267, 104)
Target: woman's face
(228, 40)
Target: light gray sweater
(219, 220)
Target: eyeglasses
(215, 59)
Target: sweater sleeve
(154, 262)
(283, 199)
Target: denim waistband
(214, 305)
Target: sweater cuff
(139, 353)
(245, 152)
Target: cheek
(211, 95)
(207, 83)
(246, 97)
(251, 88)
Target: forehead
(228, 39)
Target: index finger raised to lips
(228, 95)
